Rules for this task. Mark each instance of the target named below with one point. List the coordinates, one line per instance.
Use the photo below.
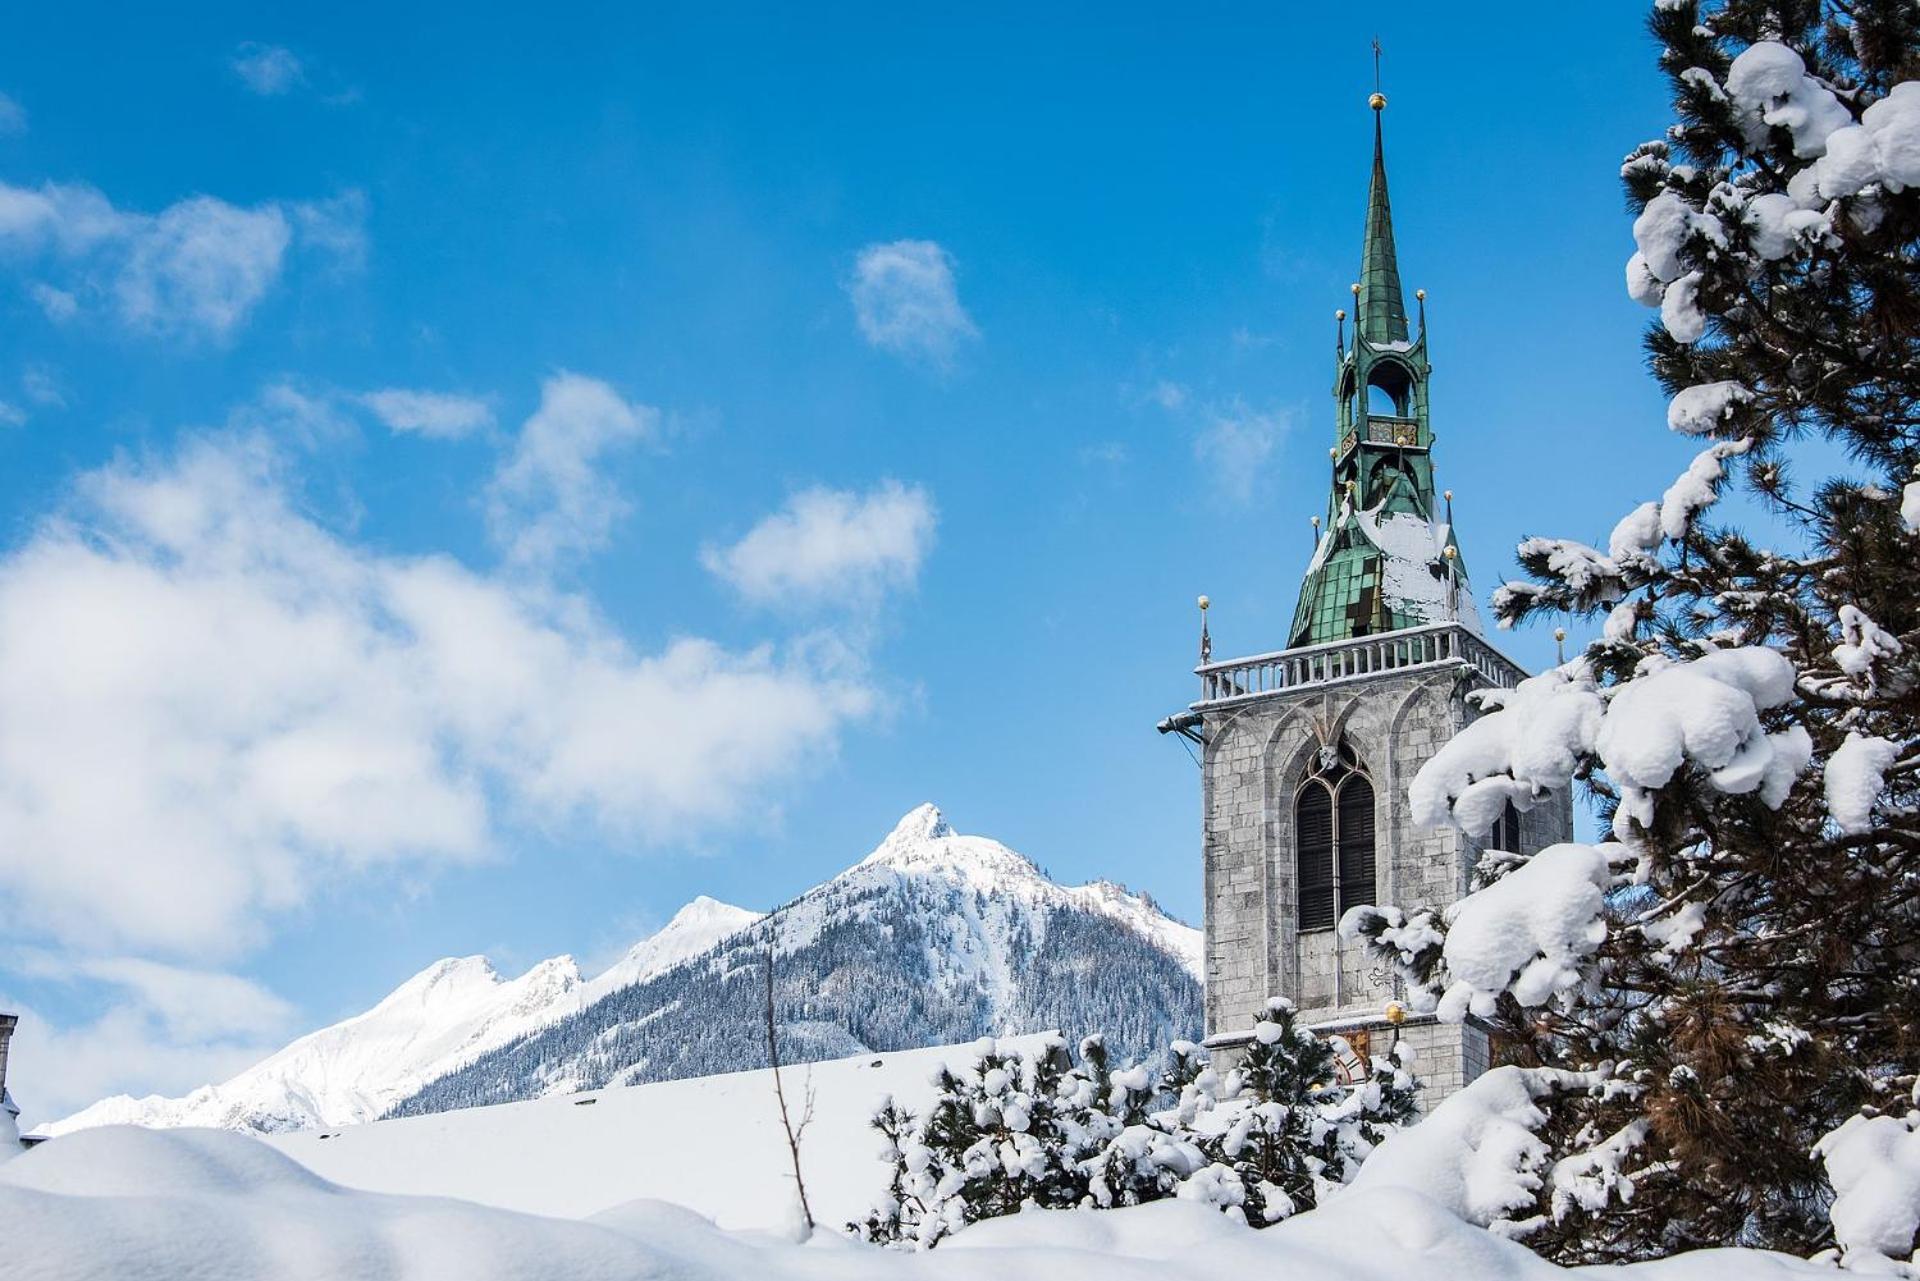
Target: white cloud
(551, 499)
(336, 227)
(197, 269)
(830, 545)
(201, 266)
(12, 415)
(13, 116)
(59, 305)
(437, 415)
(268, 69)
(1170, 396)
(188, 1004)
(212, 706)
(905, 301)
(1236, 446)
(42, 386)
(55, 1070)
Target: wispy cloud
(1236, 446)
(268, 69)
(905, 301)
(42, 387)
(437, 415)
(13, 116)
(196, 269)
(831, 546)
(551, 498)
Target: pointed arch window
(1333, 828)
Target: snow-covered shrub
(1736, 967)
(1261, 1142)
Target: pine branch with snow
(1736, 971)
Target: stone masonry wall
(1257, 754)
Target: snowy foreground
(565, 1190)
(125, 1204)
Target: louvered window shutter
(1313, 837)
(1356, 843)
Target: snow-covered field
(688, 1180)
(575, 1155)
(128, 1204)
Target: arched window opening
(1389, 390)
(1333, 839)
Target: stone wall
(1258, 752)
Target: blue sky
(473, 482)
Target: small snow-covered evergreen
(1261, 1142)
(1723, 999)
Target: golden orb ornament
(1204, 602)
(1450, 553)
(1340, 314)
(1420, 295)
(1356, 288)
(1396, 1013)
(1376, 100)
(1559, 633)
(1447, 494)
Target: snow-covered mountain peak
(925, 841)
(921, 824)
(694, 929)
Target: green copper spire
(1386, 558)
(1383, 308)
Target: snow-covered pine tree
(1298, 1127)
(1743, 959)
(1261, 1143)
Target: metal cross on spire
(1376, 64)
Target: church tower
(1307, 750)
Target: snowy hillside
(576, 1156)
(934, 938)
(433, 1023)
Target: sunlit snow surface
(130, 1204)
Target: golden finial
(1448, 495)
(1377, 100)
(1340, 314)
(1419, 295)
(1355, 287)
(1396, 1013)
(1450, 552)
(1560, 642)
(1333, 451)
(1204, 603)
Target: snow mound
(122, 1204)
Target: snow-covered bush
(1261, 1142)
(1735, 973)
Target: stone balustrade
(1435, 645)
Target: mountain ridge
(966, 914)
